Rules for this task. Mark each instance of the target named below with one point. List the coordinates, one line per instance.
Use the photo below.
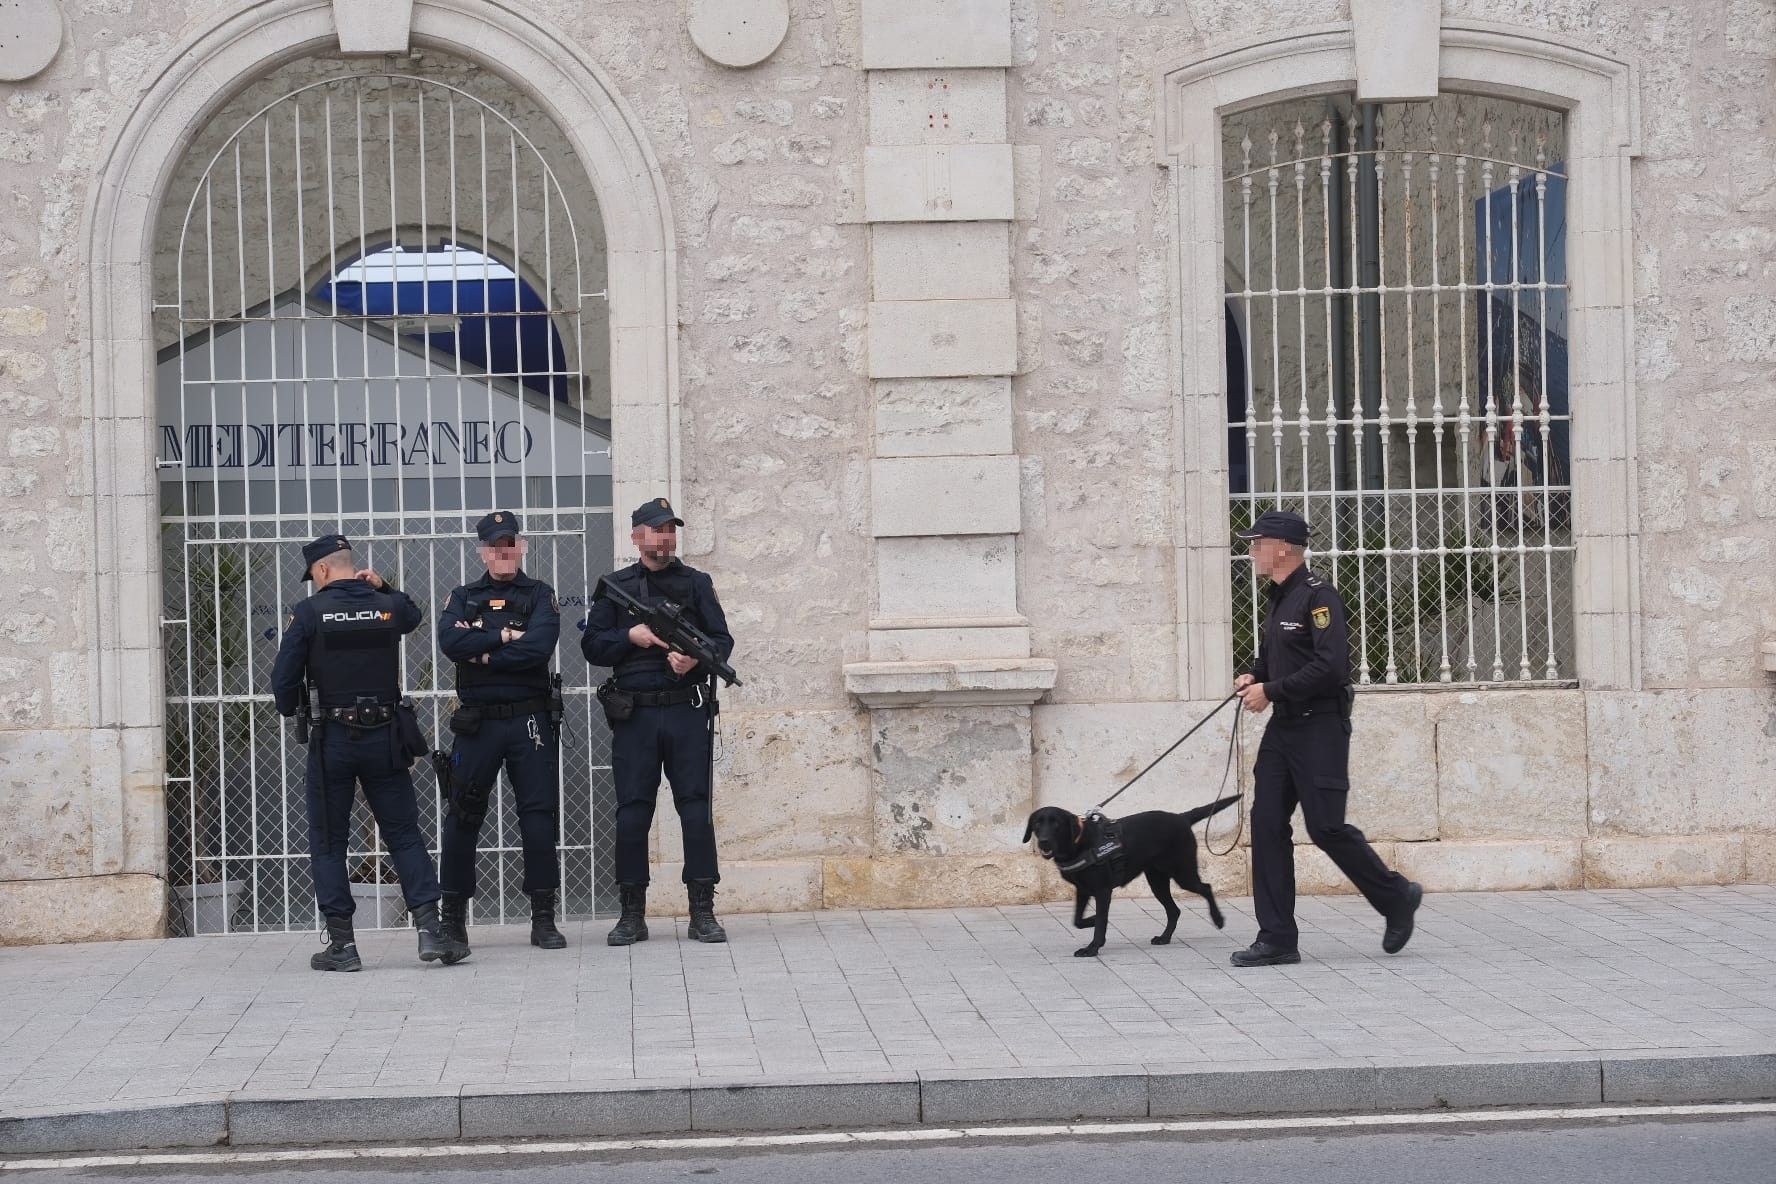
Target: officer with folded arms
(346, 641)
(664, 721)
(1303, 674)
(501, 631)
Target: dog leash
(1168, 752)
(1236, 765)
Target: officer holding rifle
(659, 626)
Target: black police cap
(322, 547)
(498, 525)
(1278, 524)
(657, 512)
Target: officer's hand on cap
(369, 576)
(644, 637)
(681, 664)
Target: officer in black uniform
(501, 631)
(672, 722)
(1303, 670)
(346, 641)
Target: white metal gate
(382, 329)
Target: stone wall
(787, 449)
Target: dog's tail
(1192, 817)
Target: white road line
(1271, 1125)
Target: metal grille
(1397, 374)
(382, 328)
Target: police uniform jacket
(606, 639)
(513, 672)
(349, 633)
(1304, 655)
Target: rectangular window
(1397, 373)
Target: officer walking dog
(346, 641)
(501, 631)
(1303, 672)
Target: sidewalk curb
(686, 1105)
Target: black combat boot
(542, 921)
(434, 943)
(632, 926)
(453, 923)
(703, 926)
(342, 951)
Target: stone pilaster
(946, 635)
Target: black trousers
(674, 739)
(1307, 761)
(340, 759)
(526, 746)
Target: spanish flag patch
(1322, 617)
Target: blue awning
(492, 335)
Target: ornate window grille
(1397, 373)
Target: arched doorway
(379, 307)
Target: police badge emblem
(1322, 617)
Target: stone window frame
(124, 678)
(1600, 97)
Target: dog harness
(1106, 849)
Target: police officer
(501, 631)
(671, 724)
(1303, 671)
(346, 640)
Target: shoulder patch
(1322, 616)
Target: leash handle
(1168, 752)
(1236, 765)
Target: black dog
(1098, 855)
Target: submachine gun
(670, 624)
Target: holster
(465, 721)
(1347, 703)
(618, 705)
(463, 799)
(408, 734)
(441, 770)
(557, 703)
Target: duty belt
(371, 716)
(1311, 707)
(509, 710)
(691, 694)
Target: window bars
(1397, 374)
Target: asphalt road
(1737, 1150)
